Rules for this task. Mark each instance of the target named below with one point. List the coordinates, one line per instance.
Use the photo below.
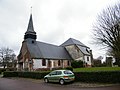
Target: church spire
(30, 28)
(30, 33)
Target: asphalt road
(23, 84)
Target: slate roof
(72, 41)
(84, 50)
(48, 51)
(81, 46)
(30, 28)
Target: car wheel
(61, 81)
(46, 80)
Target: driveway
(29, 84)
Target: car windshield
(68, 72)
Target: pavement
(36, 84)
(75, 84)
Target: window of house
(43, 62)
(58, 62)
(68, 63)
(49, 63)
(32, 41)
(87, 58)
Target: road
(18, 84)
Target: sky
(54, 21)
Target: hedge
(35, 75)
(92, 77)
(10, 74)
(2, 70)
(100, 76)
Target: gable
(74, 51)
(83, 48)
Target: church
(36, 55)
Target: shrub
(58, 68)
(11, 69)
(42, 69)
(2, 70)
(77, 64)
(69, 68)
(26, 69)
(7, 69)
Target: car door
(58, 76)
(55, 77)
(52, 76)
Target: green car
(61, 76)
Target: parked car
(61, 76)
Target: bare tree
(6, 55)
(107, 30)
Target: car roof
(61, 70)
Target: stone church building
(36, 55)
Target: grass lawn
(96, 69)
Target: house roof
(47, 51)
(81, 46)
(84, 50)
(72, 41)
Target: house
(78, 51)
(109, 61)
(35, 55)
(97, 62)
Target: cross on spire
(31, 9)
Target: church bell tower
(30, 33)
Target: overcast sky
(54, 21)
